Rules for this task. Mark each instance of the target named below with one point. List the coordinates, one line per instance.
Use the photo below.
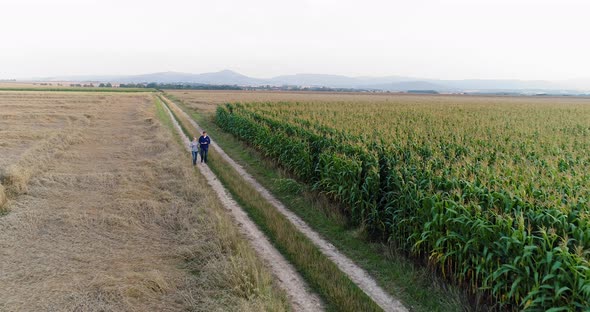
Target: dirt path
(299, 294)
(354, 272)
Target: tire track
(357, 274)
(302, 299)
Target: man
(204, 141)
(194, 150)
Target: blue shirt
(204, 141)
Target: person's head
(194, 138)
(204, 133)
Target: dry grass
(3, 198)
(17, 176)
(116, 219)
(34, 128)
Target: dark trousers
(204, 154)
(194, 157)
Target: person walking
(204, 142)
(194, 150)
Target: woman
(194, 150)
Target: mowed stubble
(105, 213)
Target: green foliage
(502, 210)
(288, 186)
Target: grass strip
(247, 276)
(3, 200)
(414, 285)
(186, 130)
(321, 273)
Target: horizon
(40, 79)
(455, 40)
(297, 73)
(228, 77)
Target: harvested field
(208, 100)
(105, 214)
(35, 127)
(29, 120)
(221, 97)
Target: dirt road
(302, 299)
(354, 272)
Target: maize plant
(491, 194)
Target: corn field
(491, 195)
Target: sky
(454, 39)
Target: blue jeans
(204, 154)
(195, 153)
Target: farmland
(490, 192)
(104, 213)
(31, 131)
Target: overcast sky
(525, 39)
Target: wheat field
(105, 213)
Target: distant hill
(490, 84)
(410, 85)
(317, 80)
(387, 83)
(581, 84)
(224, 77)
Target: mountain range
(386, 83)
